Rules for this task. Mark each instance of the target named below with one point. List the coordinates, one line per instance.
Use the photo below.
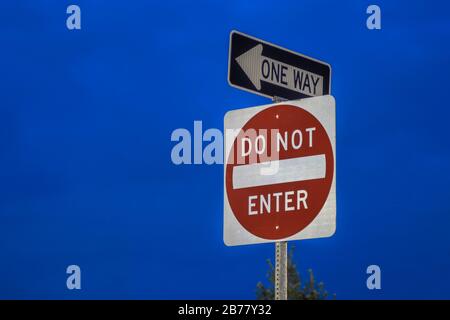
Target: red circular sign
(282, 204)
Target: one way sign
(266, 69)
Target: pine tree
(310, 291)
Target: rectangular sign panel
(263, 68)
(280, 172)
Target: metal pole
(281, 281)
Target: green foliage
(296, 291)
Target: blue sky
(85, 171)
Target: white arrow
(260, 68)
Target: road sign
(279, 175)
(266, 69)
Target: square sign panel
(280, 172)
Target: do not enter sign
(280, 172)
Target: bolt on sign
(279, 174)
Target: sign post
(279, 171)
(281, 282)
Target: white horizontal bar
(289, 170)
